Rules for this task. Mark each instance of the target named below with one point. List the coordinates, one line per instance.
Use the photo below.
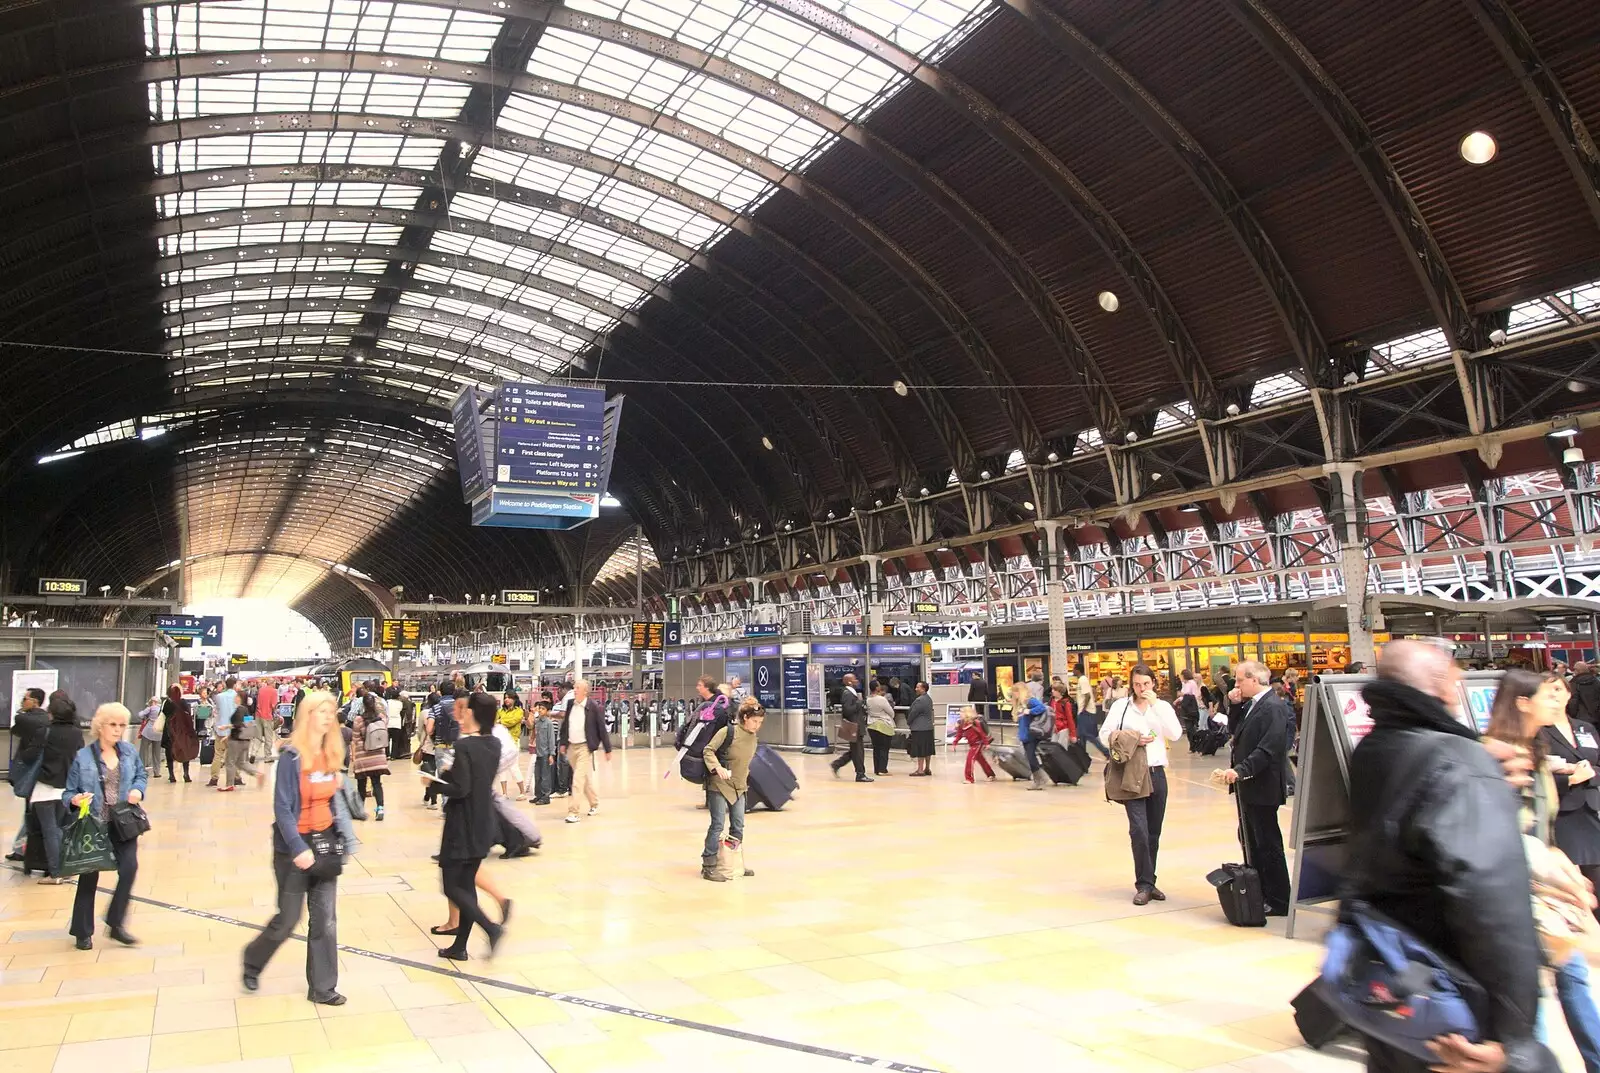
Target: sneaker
(52, 881)
(972, 782)
(379, 813)
(572, 817)
(748, 872)
(594, 810)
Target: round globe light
(1108, 301)
(1478, 147)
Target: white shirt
(1158, 719)
(1087, 701)
(575, 722)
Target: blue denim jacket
(286, 808)
(83, 777)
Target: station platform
(909, 924)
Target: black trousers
(83, 902)
(856, 755)
(377, 787)
(1145, 817)
(880, 751)
(461, 887)
(320, 898)
(1264, 847)
(430, 793)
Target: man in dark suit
(853, 710)
(1260, 776)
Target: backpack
(693, 766)
(445, 728)
(719, 718)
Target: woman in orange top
(307, 852)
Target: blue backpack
(1386, 983)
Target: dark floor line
(573, 1000)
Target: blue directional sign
(211, 630)
(179, 625)
(363, 633)
(550, 436)
(674, 634)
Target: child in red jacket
(970, 732)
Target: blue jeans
(1577, 1005)
(721, 812)
(1030, 749)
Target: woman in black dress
(1574, 749)
(471, 824)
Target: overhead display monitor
(63, 586)
(648, 636)
(551, 437)
(470, 459)
(519, 597)
(400, 635)
(1354, 715)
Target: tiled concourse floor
(915, 921)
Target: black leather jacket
(1434, 844)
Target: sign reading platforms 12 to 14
(550, 436)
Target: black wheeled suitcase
(1012, 760)
(772, 781)
(1061, 763)
(1318, 1022)
(1239, 887)
(208, 752)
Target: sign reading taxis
(400, 634)
(63, 586)
(519, 597)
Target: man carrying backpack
(1435, 847)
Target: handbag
(128, 821)
(25, 779)
(352, 801)
(85, 845)
(328, 850)
(849, 732)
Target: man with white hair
(1435, 846)
(582, 735)
(1259, 775)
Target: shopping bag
(730, 859)
(85, 845)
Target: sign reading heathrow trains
(550, 436)
(63, 586)
(402, 634)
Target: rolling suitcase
(1318, 1022)
(1239, 887)
(208, 752)
(1012, 760)
(772, 781)
(1063, 764)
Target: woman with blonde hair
(307, 849)
(108, 775)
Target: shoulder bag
(328, 849)
(128, 821)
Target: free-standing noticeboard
(1335, 721)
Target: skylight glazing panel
(1276, 389)
(292, 232)
(342, 25)
(311, 267)
(511, 320)
(242, 296)
(1533, 316)
(1415, 348)
(245, 340)
(263, 195)
(349, 92)
(744, 118)
(765, 41)
(295, 147)
(660, 154)
(590, 238)
(473, 338)
(499, 288)
(259, 320)
(1090, 439)
(465, 364)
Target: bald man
(1434, 844)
